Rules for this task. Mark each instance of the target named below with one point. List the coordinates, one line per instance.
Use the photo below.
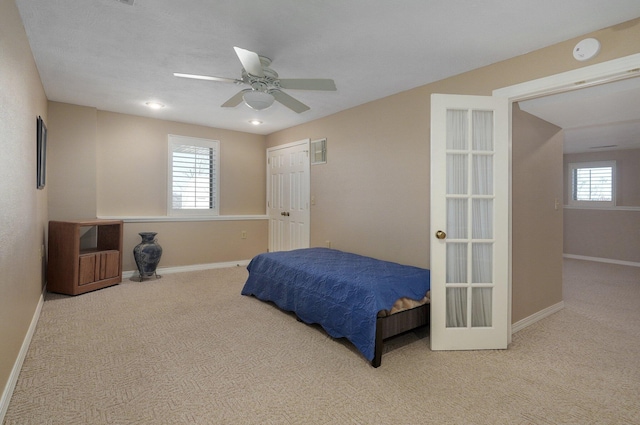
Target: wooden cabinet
(84, 255)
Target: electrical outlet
(243, 234)
(327, 244)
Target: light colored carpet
(189, 349)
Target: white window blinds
(193, 176)
(592, 183)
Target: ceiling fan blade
(235, 100)
(289, 102)
(250, 62)
(307, 84)
(206, 77)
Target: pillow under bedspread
(405, 304)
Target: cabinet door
(87, 268)
(109, 264)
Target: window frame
(591, 203)
(177, 140)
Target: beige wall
(23, 208)
(115, 165)
(612, 234)
(72, 159)
(190, 243)
(372, 196)
(537, 221)
(132, 166)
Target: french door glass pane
(481, 307)
(457, 129)
(457, 174)
(482, 175)
(456, 307)
(456, 263)
(457, 223)
(482, 210)
(482, 130)
(482, 263)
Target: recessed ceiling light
(255, 122)
(154, 105)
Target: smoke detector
(586, 49)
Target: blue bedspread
(342, 292)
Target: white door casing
(470, 206)
(288, 196)
(576, 79)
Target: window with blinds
(193, 176)
(592, 184)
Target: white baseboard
(17, 366)
(191, 268)
(527, 321)
(602, 260)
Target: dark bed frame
(398, 323)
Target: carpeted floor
(189, 349)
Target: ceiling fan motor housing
(268, 81)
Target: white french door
(288, 189)
(469, 222)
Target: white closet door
(288, 193)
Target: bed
(359, 298)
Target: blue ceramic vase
(147, 255)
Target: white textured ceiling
(601, 117)
(115, 57)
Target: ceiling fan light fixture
(258, 100)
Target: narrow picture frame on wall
(41, 161)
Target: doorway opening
(595, 75)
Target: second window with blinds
(592, 184)
(193, 176)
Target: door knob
(440, 234)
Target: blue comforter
(342, 292)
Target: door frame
(588, 76)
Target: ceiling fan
(265, 85)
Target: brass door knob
(440, 234)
